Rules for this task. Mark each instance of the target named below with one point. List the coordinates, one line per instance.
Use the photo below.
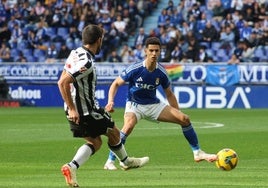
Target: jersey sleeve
(165, 82)
(126, 74)
(78, 64)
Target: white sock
(120, 152)
(81, 156)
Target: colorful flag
(174, 71)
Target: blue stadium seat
(63, 32)
(27, 52)
(31, 58)
(37, 53)
(215, 45)
(51, 32)
(222, 55)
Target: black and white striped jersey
(80, 65)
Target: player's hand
(73, 116)
(109, 107)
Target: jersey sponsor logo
(145, 86)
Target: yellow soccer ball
(227, 159)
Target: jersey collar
(143, 64)
(91, 53)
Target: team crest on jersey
(157, 81)
(82, 69)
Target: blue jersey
(143, 84)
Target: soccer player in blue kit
(143, 79)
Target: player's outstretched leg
(110, 163)
(199, 155)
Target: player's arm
(112, 92)
(171, 98)
(64, 87)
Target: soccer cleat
(109, 165)
(200, 155)
(134, 163)
(70, 175)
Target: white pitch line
(205, 125)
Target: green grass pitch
(36, 142)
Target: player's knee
(185, 121)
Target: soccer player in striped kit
(86, 119)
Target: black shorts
(93, 125)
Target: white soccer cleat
(200, 155)
(134, 163)
(70, 175)
(109, 165)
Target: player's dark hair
(153, 41)
(91, 34)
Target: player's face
(152, 52)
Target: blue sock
(123, 137)
(191, 137)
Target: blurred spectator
(5, 33)
(66, 18)
(173, 32)
(52, 53)
(237, 5)
(243, 53)
(218, 11)
(114, 57)
(193, 50)
(63, 52)
(16, 36)
(5, 54)
(227, 38)
(200, 25)
(124, 53)
(41, 32)
(139, 53)
(105, 20)
(176, 55)
(227, 20)
(120, 25)
(210, 34)
(21, 58)
(134, 13)
(140, 37)
(76, 12)
(131, 57)
(245, 31)
(202, 54)
(39, 9)
(74, 38)
(170, 46)
(248, 53)
(237, 53)
(170, 6)
(56, 18)
(195, 11)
